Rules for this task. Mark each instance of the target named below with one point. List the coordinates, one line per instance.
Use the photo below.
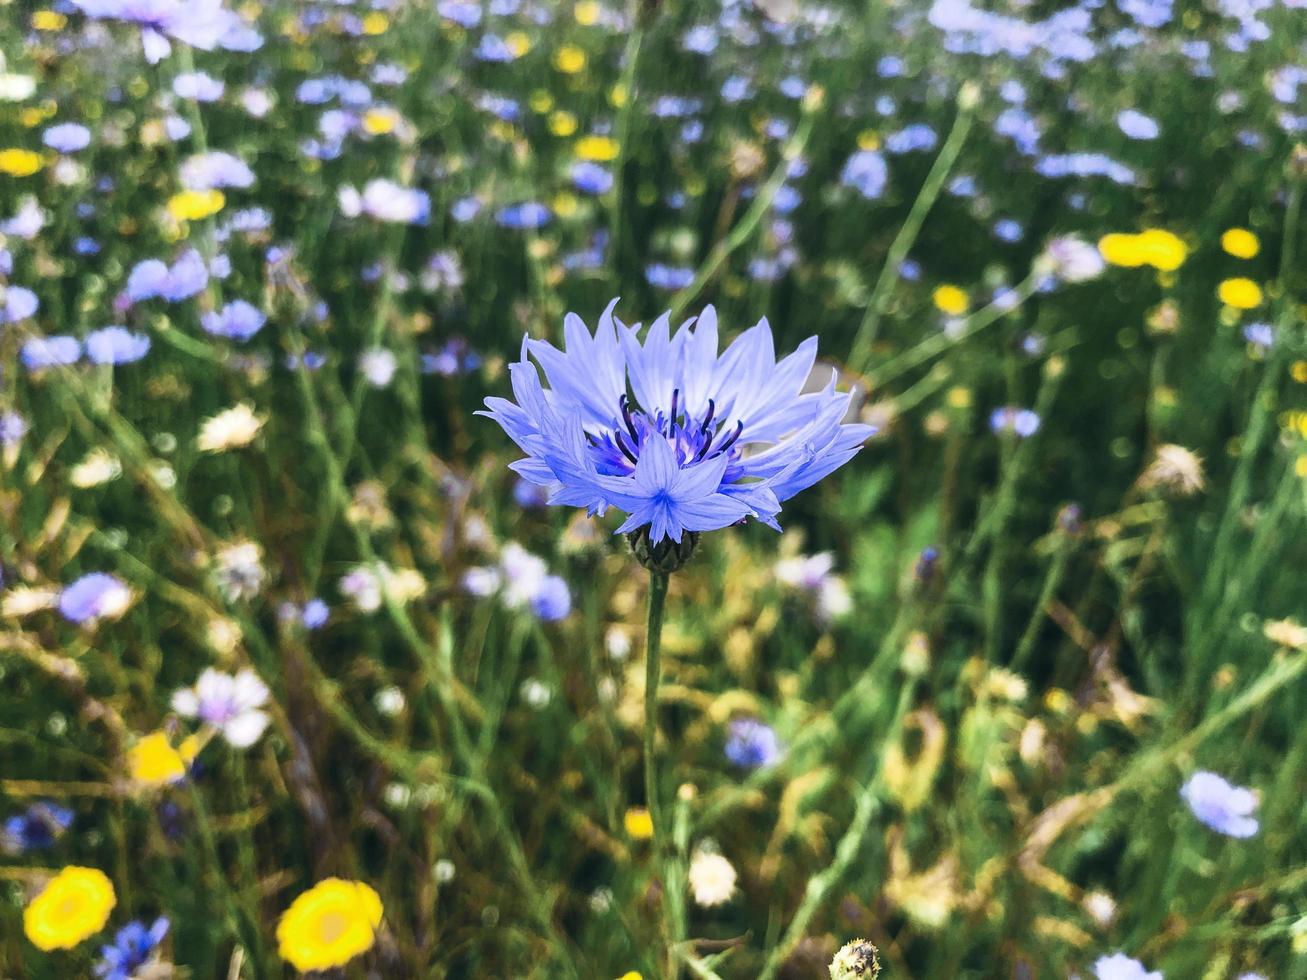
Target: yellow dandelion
(564, 204)
(518, 43)
(48, 20)
(1299, 372)
(1240, 293)
(379, 122)
(375, 23)
(1241, 243)
(329, 925)
(562, 123)
(950, 299)
(586, 13)
(569, 59)
(597, 148)
(1121, 250)
(1300, 466)
(194, 205)
(74, 905)
(617, 95)
(868, 139)
(153, 761)
(1157, 247)
(631, 975)
(19, 163)
(638, 823)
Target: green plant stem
(662, 842)
(860, 353)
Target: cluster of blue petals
(670, 432)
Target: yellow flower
(19, 163)
(518, 43)
(1300, 466)
(617, 95)
(1240, 293)
(1299, 372)
(329, 925)
(631, 975)
(541, 101)
(868, 140)
(1241, 243)
(638, 822)
(376, 23)
(950, 299)
(1162, 250)
(586, 13)
(562, 123)
(1156, 247)
(379, 122)
(564, 204)
(74, 905)
(154, 762)
(569, 59)
(194, 205)
(48, 20)
(597, 148)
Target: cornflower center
(692, 439)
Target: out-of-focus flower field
(298, 675)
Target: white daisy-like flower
(232, 704)
(232, 428)
(712, 879)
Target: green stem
(662, 843)
(907, 236)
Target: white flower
(98, 467)
(712, 879)
(232, 428)
(238, 571)
(230, 703)
(1073, 259)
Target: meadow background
(950, 709)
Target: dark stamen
(707, 419)
(676, 396)
(730, 440)
(626, 417)
(621, 444)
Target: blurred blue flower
(44, 352)
(1136, 125)
(116, 345)
(752, 744)
(19, 304)
(706, 441)
(198, 86)
(237, 320)
(591, 178)
(67, 137)
(92, 596)
(35, 829)
(133, 946)
(553, 599)
(1008, 420)
(1217, 804)
(203, 24)
(526, 215)
(12, 429)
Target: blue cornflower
(663, 276)
(752, 744)
(553, 599)
(19, 303)
(35, 829)
(1021, 422)
(591, 178)
(237, 320)
(1223, 807)
(315, 614)
(67, 137)
(116, 345)
(203, 24)
(702, 441)
(44, 352)
(12, 429)
(133, 946)
(1137, 126)
(94, 596)
(865, 171)
(529, 214)
(186, 277)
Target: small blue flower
(67, 137)
(1137, 126)
(1008, 420)
(553, 599)
(35, 829)
(707, 440)
(237, 320)
(866, 172)
(1223, 807)
(92, 596)
(590, 178)
(315, 614)
(116, 345)
(19, 304)
(43, 352)
(133, 946)
(752, 744)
